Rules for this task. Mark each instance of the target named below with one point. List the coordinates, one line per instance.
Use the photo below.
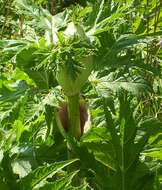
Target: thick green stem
(74, 116)
(75, 131)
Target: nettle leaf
(125, 41)
(27, 60)
(151, 125)
(12, 46)
(20, 75)
(11, 91)
(103, 152)
(63, 183)
(155, 139)
(42, 173)
(110, 83)
(26, 8)
(14, 112)
(97, 134)
(19, 128)
(155, 153)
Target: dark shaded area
(67, 3)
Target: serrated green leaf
(42, 173)
(63, 183)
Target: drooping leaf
(63, 183)
(42, 173)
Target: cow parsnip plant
(50, 64)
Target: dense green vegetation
(80, 95)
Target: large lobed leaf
(40, 174)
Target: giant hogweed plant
(66, 56)
(67, 52)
